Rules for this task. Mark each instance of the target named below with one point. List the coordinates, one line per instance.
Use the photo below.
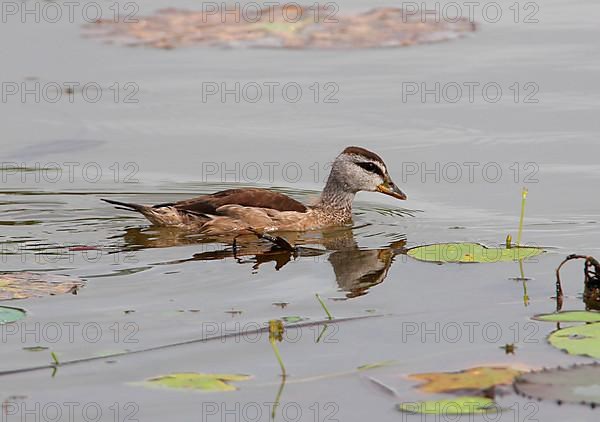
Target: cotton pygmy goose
(249, 209)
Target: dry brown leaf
(24, 285)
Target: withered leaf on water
(24, 285)
(289, 26)
(472, 379)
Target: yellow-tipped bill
(391, 190)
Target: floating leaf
(10, 314)
(569, 316)
(475, 379)
(25, 284)
(287, 26)
(292, 319)
(35, 348)
(198, 381)
(471, 252)
(579, 340)
(578, 384)
(465, 405)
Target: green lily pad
(198, 381)
(465, 405)
(471, 252)
(8, 315)
(581, 340)
(569, 316)
(292, 319)
(577, 384)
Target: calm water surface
(181, 288)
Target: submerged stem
(278, 356)
(324, 306)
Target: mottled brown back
(248, 197)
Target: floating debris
(24, 285)
(287, 26)
(473, 380)
(509, 348)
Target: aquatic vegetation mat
(581, 340)
(471, 252)
(198, 381)
(287, 26)
(24, 285)
(474, 379)
(569, 316)
(8, 315)
(467, 405)
(577, 384)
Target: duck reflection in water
(356, 269)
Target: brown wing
(248, 197)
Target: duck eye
(370, 167)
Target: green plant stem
(55, 358)
(329, 316)
(278, 356)
(523, 200)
